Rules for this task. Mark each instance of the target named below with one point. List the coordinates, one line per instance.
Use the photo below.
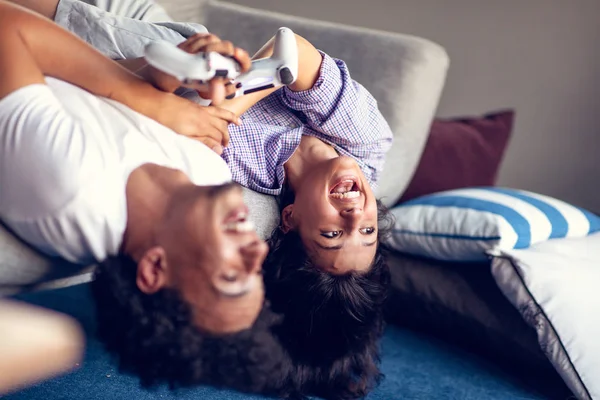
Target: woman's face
(335, 213)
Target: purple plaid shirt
(337, 110)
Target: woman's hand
(208, 125)
(218, 88)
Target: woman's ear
(152, 271)
(287, 219)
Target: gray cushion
(22, 267)
(406, 75)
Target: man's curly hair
(153, 336)
(332, 323)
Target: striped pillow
(467, 224)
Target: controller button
(221, 73)
(286, 76)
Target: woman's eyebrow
(336, 247)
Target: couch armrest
(406, 74)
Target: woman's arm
(309, 61)
(342, 113)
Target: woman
(325, 271)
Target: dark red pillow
(462, 152)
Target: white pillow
(554, 286)
(468, 224)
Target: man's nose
(254, 254)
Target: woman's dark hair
(332, 323)
(153, 336)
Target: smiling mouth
(237, 221)
(346, 188)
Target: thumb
(212, 144)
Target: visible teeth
(347, 195)
(344, 187)
(240, 226)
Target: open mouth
(237, 221)
(346, 188)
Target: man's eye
(367, 231)
(331, 235)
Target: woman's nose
(352, 212)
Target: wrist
(141, 96)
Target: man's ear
(287, 219)
(152, 271)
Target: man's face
(215, 257)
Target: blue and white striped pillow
(464, 224)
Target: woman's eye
(367, 231)
(331, 235)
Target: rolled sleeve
(342, 112)
(325, 91)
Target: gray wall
(541, 57)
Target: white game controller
(195, 70)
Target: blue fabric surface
(416, 367)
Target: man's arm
(33, 47)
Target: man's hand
(218, 88)
(208, 125)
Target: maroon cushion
(462, 152)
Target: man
(96, 164)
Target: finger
(217, 91)
(212, 144)
(197, 43)
(204, 91)
(183, 45)
(225, 48)
(224, 114)
(243, 58)
(221, 125)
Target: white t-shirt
(65, 157)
